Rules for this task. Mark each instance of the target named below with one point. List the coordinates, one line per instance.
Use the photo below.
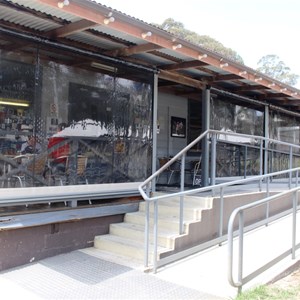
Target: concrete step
(137, 232)
(127, 238)
(194, 201)
(164, 222)
(173, 209)
(123, 246)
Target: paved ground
(91, 274)
(85, 275)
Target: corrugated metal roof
(124, 35)
(52, 11)
(23, 19)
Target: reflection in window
(231, 117)
(108, 121)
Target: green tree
(272, 66)
(178, 29)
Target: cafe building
(90, 96)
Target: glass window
(91, 121)
(236, 156)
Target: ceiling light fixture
(294, 94)
(283, 90)
(14, 102)
(61, 4)
(258, 79)
(177, 46)
(103, 67)
(243, 73)
(201, 56)
(271, 84)
(146, 34)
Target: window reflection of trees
(233, 158)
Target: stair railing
(148, 185)
(239, 213)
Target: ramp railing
(239, 215)
(148, 186)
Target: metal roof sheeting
(43, 16)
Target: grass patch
(264, 292)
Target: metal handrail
(145, 187)
(197, 140)
(239, 212)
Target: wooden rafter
(227, 77)
(183, 65)
(179, 78)
(71, 28)
(249, 88)
(128, 51)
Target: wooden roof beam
(183, 65)
(286, 102)
(179, 78)
(227, 77)
(274, 96)
(249, 88)
(71, 28)
(128, 51)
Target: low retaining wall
(28, 238)
(208, 228)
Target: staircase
(127, 238)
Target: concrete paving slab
(93, 274)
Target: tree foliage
(272, 66)
(177, 28)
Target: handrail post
(241, 249)
(181, 196)
(213, 160)
(268, 204)
(245, 161)
(146, 237)
(155, 229)
(266, 157)
(294, 227)
(291, 166)
(221, 219)
(182, 172)
(260, 164)
(147, 231)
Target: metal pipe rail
(220, 188)
(68, 194)
(239, 212)
(147, 186)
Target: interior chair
(81, 163)
(194, 170)
(170, 170)
(32, 169)
(162, 161)
(197, 173)
(80, 174)
(174, 169)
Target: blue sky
(252, 28)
